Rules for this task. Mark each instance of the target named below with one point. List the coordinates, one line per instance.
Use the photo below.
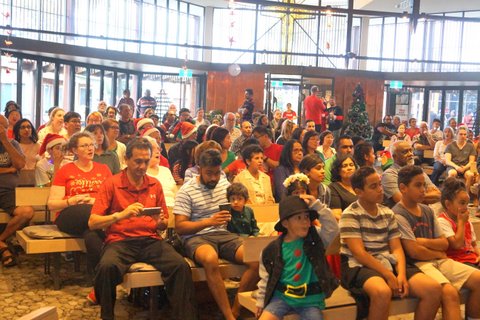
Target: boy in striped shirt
(373, 262)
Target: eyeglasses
(26, 127)
(115, 128)
(87, 145)
(75, 121)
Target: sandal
(8, 260)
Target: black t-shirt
(378, 137)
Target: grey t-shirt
(412, 227)
(390, 183)
(460, 156)
(8, 180)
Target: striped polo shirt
(197, 202)
(375, 231)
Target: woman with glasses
(73, 194)
(112, 131)
(292, 154)
(102, 154)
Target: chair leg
(154, 302)
(56, 271)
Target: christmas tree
(357, 124)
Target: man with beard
(203, 227)
(402, 153)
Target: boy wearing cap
(47, 167)
(294, 273)
(373, 262)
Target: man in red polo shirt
(131, 234)
(314, 108)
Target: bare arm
(101, 222)
(458, 240)
(438, 244)
(449, 162)
(183, 225)
(420, 252)
(18, 159)
(432, 195)
(358, 250)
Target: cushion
(49, 231)
(141, 266)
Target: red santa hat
(149, 131)
(51, 140)
(187, 129)
(143, 122)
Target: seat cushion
(46, 232)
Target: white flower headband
(296, 177)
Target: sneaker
(92, 298)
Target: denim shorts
(280, 308)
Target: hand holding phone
(225, 207)
(151, 211)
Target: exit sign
(277, 84)
(185, 73)
(396, 84)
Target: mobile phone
(225, 206)
(151, 211)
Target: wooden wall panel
(372, 88)
(226, 93)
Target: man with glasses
(344, 147)
(229, 124)
(127, 125)
(73, 123)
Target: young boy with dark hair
(294, 274)
(425, 245)
(373, 262)
(243, 220)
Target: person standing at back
(248, 106)
(314, 108)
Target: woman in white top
(439, 165)
(325, 147)
(26, 135)
(161, 173)
(112, 130)
(257, 183)
(54, 125)
(200, 119)
(400, 136)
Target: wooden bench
(340, 303)
(30, 196)
(143, 275)
(44, 313)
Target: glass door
(452, 102)
(469, 108)
(434, 105)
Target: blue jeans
(280, 308)
(438, 170)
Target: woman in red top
(76, 184)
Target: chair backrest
(45, 313)
(31, 196)
(252, 247)
(265, 212)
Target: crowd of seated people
(103, 177)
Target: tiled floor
(25, 288)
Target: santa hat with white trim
(51, 140)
